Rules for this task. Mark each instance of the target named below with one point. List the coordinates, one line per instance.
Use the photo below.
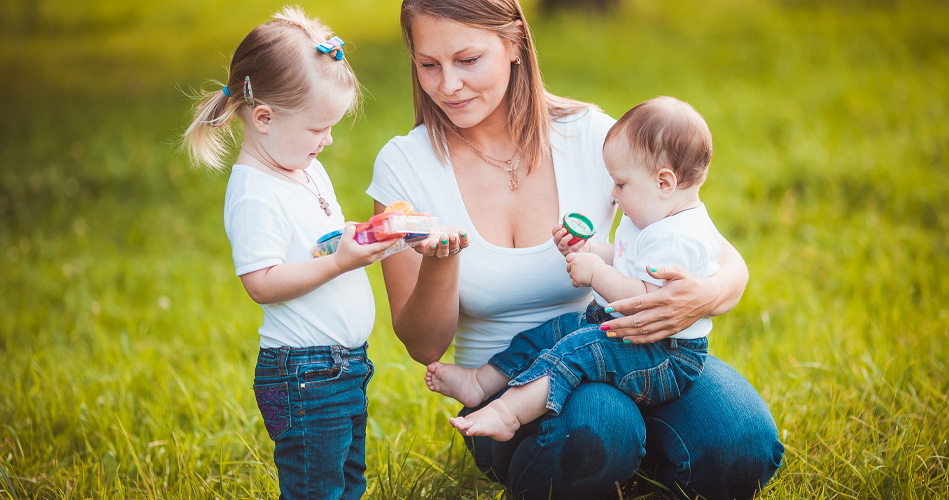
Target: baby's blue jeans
(717, 439)
(313, 401)
(648, 373)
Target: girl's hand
(351, 255)
(562, 240)
(681, 301)
(582, 267)
(447, 242)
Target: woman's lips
(457, 104)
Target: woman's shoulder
(582, 119)
(415, 139)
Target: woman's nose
(451, 82)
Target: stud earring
(517, 60)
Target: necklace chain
(509, 166)
(323, 204)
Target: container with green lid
(579, 226)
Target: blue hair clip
(226, 91)
(335, 43)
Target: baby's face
(635, 185)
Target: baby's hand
(351, 255)
(448, 241)
(582, 267)
(562, 239)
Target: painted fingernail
(605, 328)
(464, 235)
(444, 242)
(627, 341)
(434, 247)
(653, 269)
(610, 334)
(609, 310)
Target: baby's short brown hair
(668, 132)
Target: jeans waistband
(596, 314)
(290, 356)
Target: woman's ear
(667, 182)
(260, 117)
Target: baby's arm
(562, 239)
(288, 281)
(588, 269)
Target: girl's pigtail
(209, 135)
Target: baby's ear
(667, 182)
(260, 117)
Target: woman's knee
(596, 442)
(718, 440)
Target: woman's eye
(427, 65)
(470, 60)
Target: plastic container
(398, 222)
(579, 226)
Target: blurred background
(128, 344)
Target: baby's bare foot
(495, 421)
(455, 382)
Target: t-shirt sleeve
(260, 236)
(394, 177)
(669, 248)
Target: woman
(496, 154)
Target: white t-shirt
(504, 291)
(687, 239)
(270, 221)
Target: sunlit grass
(129, 345)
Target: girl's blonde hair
(284, 66)
(530, 107)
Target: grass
(129, 345)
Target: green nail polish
(464, 235)
(652, 269)
(444, 242)
(434, 247)
(626, 341)
(609, 310)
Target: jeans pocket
(273, 400)
(651, 386)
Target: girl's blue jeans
(648, 373)
(313, 402)
(717, 439)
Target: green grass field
(128, 345)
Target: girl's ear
(667, 182)
(260, 117)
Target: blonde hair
(667, 132)
(530, 107)
(284, 66)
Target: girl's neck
(255, 156)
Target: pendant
(325, 206)
(515, 182)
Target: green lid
(578, 225)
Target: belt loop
(282, 356)
(673, 344)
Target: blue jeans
(648, 373)
(717, 439)
(313, 401)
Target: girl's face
(464, 70)
(294, 139)
(634, 185)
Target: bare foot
(455, 382)
(495, 421)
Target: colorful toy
(398, 222)
(579, 226)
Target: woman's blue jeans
(717, 439)
(313, 401)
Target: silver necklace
(323, 204)
(509, 166)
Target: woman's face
(464, 70)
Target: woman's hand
(682, 300)
(447, 242)
(562, 239)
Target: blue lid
(329, 236)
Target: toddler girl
(289, 84)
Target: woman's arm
(682, 300)
(423, 295)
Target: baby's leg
(469, 386)
(503, 416)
